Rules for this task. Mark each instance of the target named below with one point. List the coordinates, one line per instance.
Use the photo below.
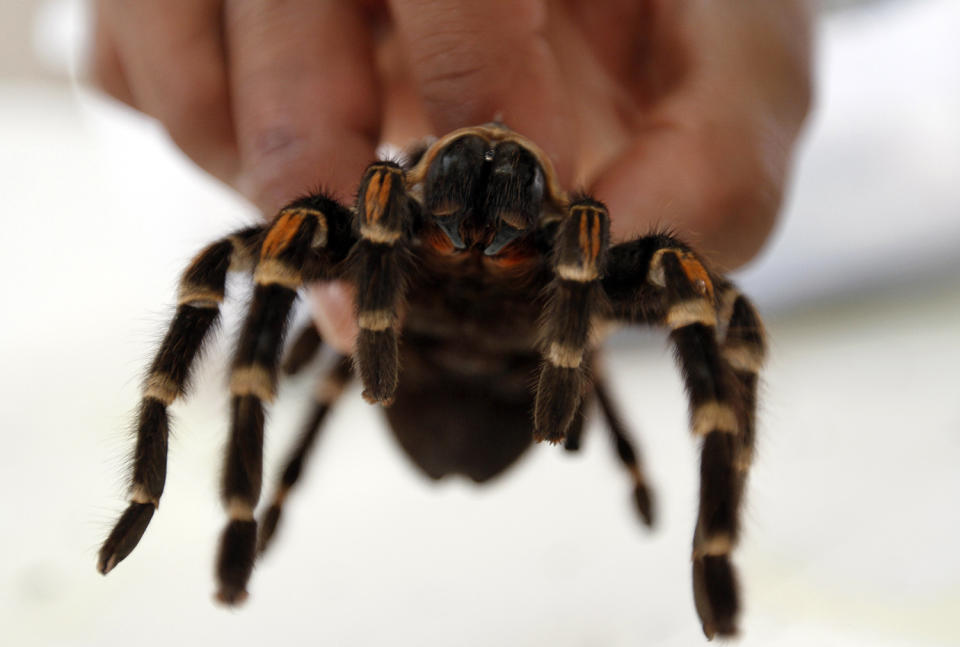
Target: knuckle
(464, 61)
(450, 72)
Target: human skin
(678, 114)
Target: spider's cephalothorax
(495, 280)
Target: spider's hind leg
(627, 451)
(201, 293)
(329, 389)
(743, 346)
(303, 349)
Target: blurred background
(852, 519)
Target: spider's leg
(574, 437)
(743, 345)
(626, 450)
(303, 349)
(329, 390)
(201, 292)
(574, 297)
(658, 280)
(302, 232)
(378, 269)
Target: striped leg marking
(574, 296)
(384, 217)
(201, 292)
(744, 348)
(716, 416)
(278, 274)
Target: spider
(493, 278)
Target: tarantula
(493, 277)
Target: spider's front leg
(658, 280)
(574, 297)
(378, 270)
(309, 241)
(309, 238)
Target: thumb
(473, 62)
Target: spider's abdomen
(469, 360)
(453, 424)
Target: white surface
(851, 523)
(852, 519)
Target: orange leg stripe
(376, 199)
(374, 210)
(692, 268)
(595, 240)
(384, 196)
(281, 233)
(589, 239)
(697, 274)
(584, 245)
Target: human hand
(676, 114)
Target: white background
(852, 519)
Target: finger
(305, 96)
(306, 102)
(714, 185)
(404, 120)
(474, 62)
(106, 70)
(173, 59)
(712, 156)
(333, 312)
